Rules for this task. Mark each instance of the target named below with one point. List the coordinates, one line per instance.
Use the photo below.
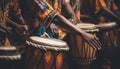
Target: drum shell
(110, 47)
(10, 58)
(38, 58)
(109, 38)
(80, 51)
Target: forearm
(4, 27)
(20, 17)
(2, 31)
(69, 11)
(92, 40)
(108, 14)
(62, 21)
(12, 22)
(50, 14)
(16, 13)
(54, 16)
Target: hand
(92, 40)
(9, 30)
(5, 28)
(54, 28)
(74, 21)
(22, 29)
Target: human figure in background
(65, 9)
(13, 29)
(60, 20)
(31, 6)
(43, 15)
(40, 16)
(13, 19)
(108, 11)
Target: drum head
(88, 27)
(85, 26)
(48, 43)
(9, 53)
(7, 48)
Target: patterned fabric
(58, 6)
(41, 30)
(47, 14)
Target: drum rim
(8, 48)
(90, 28)
(47, 47)
(10, 57)
(58, 40)
(9, 51)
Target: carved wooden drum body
(9, 57)
(110, 38)
(46, 53)
(80, 51)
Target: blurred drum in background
(46, 53)
(109, 35)
(81, 53)
(9, 57)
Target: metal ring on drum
(46, 53)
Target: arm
(15, 14)
(93, 41)
(49, 14)
(8, 29)
(16, 19)
(69, 11)
(108, 14)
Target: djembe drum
(9, 57)
(110, 37)
(81, 53)
(45, 53)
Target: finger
(100, 44)
(39, 4)
(92, 45)
(42, 2)
(96, 43)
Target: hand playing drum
(49, 14)
(83, 48)
(92, 40)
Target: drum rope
(12, 57)
(46, 47)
